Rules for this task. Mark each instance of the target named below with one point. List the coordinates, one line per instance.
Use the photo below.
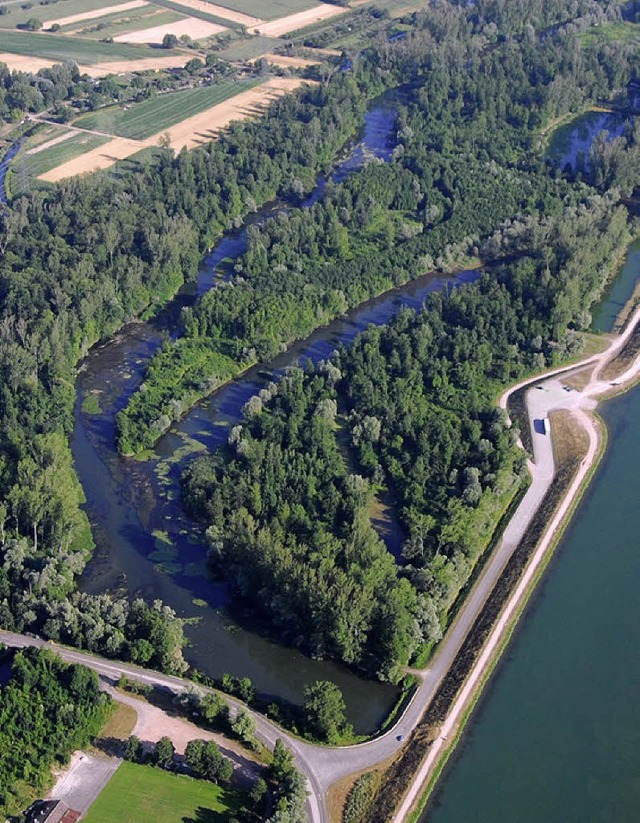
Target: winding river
(145, 543)
(556, 736)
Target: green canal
(556, 736)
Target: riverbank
(583, 417)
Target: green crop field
(27, 167)
(151, 116)
(268, 9)
(249, 47)
(200, 15)
(142, 794)
(16, 14)
(58, 47)
(128, 23)
(396, 6)
(111, 25)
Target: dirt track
(154, 723)
(276, 28)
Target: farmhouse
(51, 811)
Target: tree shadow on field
(112, 746)
(203, 815)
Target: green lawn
(268, 9)
(151, 116)
(137, 794)
(59, 47)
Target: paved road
(267, 731)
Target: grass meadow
(143, 794)
(27, 167)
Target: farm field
(285, 62)
(268, 9)
(300, 20)
(195, 28)
(176, 59)
(141, 120)
(99, 13)
(113, 24)
(249, 48)
(204, 7)
(17, 15)
(61, 48)
(143, 794)
(194, 131)
(26, 167)
(395, 8)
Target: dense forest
(290, 518)
(80, 259)
(465, 161)
(48, 709)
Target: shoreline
(425, 780)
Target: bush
(360, 799)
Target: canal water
(619, 291)
(556, 736)
(145, 543)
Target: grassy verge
(121, 723)
(517, 411)
(625, 357)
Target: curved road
(322, 765)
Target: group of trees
(203, 758)
(321, 717)
(79, 260)
(76, 262)
(36, 591)
(289, 520)
(464, 163)
(48, 708)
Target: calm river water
(556, 738)
(145, 543)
